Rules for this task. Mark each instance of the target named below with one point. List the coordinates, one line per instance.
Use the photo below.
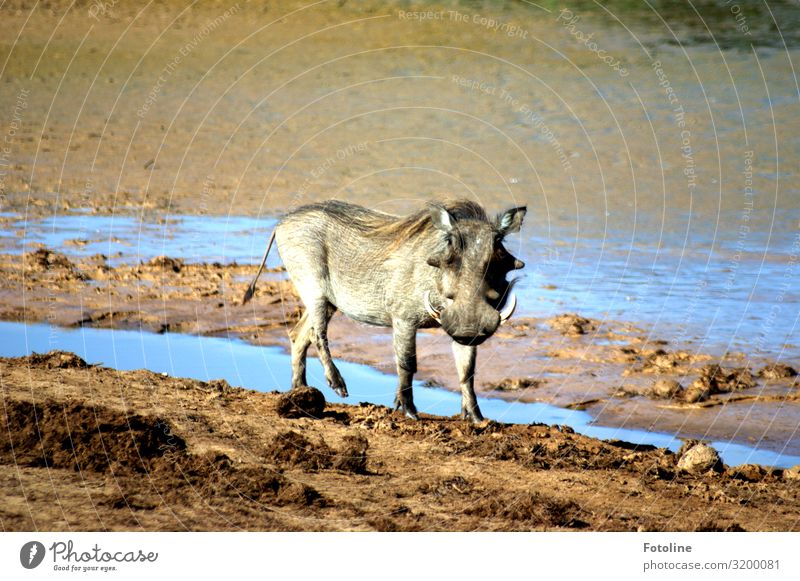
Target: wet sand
(242, 109)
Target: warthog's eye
(503, 260)
(445, 257)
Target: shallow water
(126, 239)
(268, 368)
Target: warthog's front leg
(320, 315)
(405, 353)
(465, 365)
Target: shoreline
(606, 369)
(554, 300)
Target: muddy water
(268, 368)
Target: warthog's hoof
(336, 381)
(408, 409)
(473, 417)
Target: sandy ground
(271, 106)
(254, 108)
(136, 450)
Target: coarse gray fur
(376, 268)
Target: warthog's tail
(251, 290)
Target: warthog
(442, 266)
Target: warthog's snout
(471, 323)
(471, 328)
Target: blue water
(719, 293)
(269, 368)
(127, 239)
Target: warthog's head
(474, 296)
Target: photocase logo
(31, 554)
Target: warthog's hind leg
(465, 365)
(405, 352)
(320, 315)
(301, 336)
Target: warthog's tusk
(426, 300)
(508, 309)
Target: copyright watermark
(493, 24)
(569, 21)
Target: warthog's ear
(441, 218)
(510, 221)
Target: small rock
(573, 325)
(57, 360)
(699, 459)
(720, 380)
(45, 258)
(777, 371)
(219, 385)
(173, 264)
(515, 384)
(352, 457)
(792, 473)
(665, 389)
(698, 391)
(301, 402)
(661, 361)
(748, 472)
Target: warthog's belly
(361, 315)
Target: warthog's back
(347, 253)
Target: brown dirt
(572, 324)
(91, 448)
(177, 158)
(515, 384)
(717, 379)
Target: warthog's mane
(399, 229)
